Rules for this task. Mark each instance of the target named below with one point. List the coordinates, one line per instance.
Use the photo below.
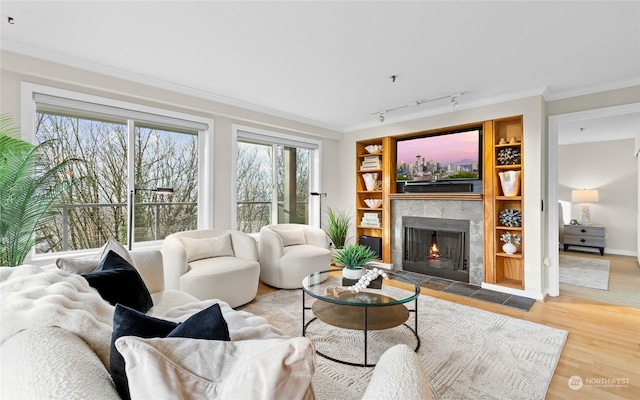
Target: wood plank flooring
(624, 281)
(602, 348)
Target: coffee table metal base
(361, 317)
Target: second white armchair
(289, 252)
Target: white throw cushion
(52, 363)
(399, 374)
(86, 264)
(198, 249)
(291, 237)
(179, 368)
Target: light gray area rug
(468, 353)
(586, 272)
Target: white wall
(636, 151)
(16, 68)
(610, 167)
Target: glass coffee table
(367, 310)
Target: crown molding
(592, 89)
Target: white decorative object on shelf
(510, 182)
(373, 148)
(509, 248)
(370, 180)
(510, 240)
(373, 203)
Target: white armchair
(212, 264)
(289, 252)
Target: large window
(273, 180)
(126, 157)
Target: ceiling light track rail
(454, 103)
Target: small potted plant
(510, 240)
(354, 257)
(337, 228)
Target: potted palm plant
(28, 191)
(354, 257)
(337, 229)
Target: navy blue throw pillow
(117, 281)
(208, 324)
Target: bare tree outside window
(96, 209)
(256, 173)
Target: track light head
(381, 117)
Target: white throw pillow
(86, 264)
(52, 363)
(399, 374)
(197, 249)
(175, 368)
(291, 237)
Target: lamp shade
(584, 196)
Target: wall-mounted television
(441, 157)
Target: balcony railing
(92, 228)
(110, 220)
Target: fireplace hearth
(436, 247)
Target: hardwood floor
(602, 348)
(624, 281)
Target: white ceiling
(329, 63)
(599, 129)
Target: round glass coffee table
(370, 309)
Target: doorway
(557, 125)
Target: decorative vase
(509, 248)
(510, 182)
(353, 274)
(370, 180)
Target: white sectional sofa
(56, 331)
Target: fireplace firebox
(436, 247)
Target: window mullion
(131, 139)
(274, 184)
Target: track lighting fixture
(454, 103)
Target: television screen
(440, 157)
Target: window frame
(275, 138)
(205, 151)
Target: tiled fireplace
(460, 231)
(436, 247)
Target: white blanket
(33, 297)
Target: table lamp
(585, 196)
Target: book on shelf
(370, 219)
(370, 161)
(375, 164)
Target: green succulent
(355, 256)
